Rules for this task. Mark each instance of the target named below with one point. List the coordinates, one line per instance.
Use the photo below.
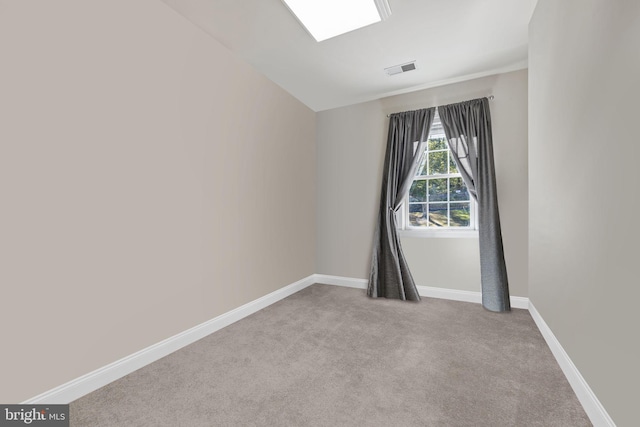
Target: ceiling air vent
(402, 68)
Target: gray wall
(150, 181)
(583, 158)
(350, 154)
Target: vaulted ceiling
(450, 40)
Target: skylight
(329, 18)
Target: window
(438, 201)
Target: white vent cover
(402, 68)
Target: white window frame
(402, 215)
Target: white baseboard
(592, 406)
(467, 296)
(424, 291)
(92, 381)
(450, 294)
(341, 281)
(519, 302)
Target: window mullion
(448, 202)
(448, 163)
(426, 198)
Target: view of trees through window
(438, 196)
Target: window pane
(453, 168)
(438, 162)
(418, 191)
(458, 190)
(460, 215)
(436, 200)
(438, 190)
(438, 215)
(422, 168)
(437, 144)
(418, 214)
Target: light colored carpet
(330, 356)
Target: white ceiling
(451, 40)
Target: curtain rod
(490, 98)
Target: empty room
(319, 213)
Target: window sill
(460, 234)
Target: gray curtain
(390, 276)
(467, 126)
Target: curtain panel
(390, 276)
(467, 126)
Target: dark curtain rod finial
(490, 97)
